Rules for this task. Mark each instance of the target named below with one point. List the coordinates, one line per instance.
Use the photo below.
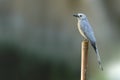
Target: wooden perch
(84, 59)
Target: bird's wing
(87, 30)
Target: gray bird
(87, 32)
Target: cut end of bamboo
(85, 43)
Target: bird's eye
(80, 15)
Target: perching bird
(87, 32)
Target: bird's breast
(81, 31)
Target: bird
(86, 31)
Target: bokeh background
(39, 39)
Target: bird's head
(80, 16)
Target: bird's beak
(75, 15)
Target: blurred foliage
(23, 64)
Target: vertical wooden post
(84, 59)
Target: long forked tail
(97, 53)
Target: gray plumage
(87, 32)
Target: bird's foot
(86, 40)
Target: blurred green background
(39, 39)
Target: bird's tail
(98, 56)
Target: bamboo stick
(84, 59)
